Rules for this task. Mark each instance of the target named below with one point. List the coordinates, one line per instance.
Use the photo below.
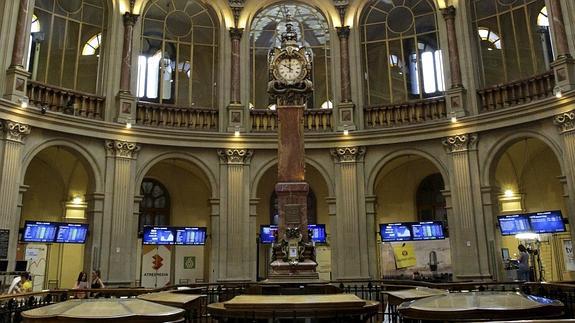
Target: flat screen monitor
(158, 235)
(317, 233)
(513, 224)
(72, 233)
(21, 265)
(547, 222)
(37, 231)
(395, 232)
(432, 230)
(3, 265)
(267, 233)
(191, 236)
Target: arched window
(59, 32)
(179, 57)
(92, 46)
(311, 208)
(513, 39)
(402, 59)
(155, 204)
(430, 201)
(313, 32)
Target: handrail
(67, 101)
(519, 92)
(170, 116)
(315, 120)
(407, 113)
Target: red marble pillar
(343, 34)
(454, 65)
(236, 36)
(556, 18)
(20, 35)
(126, 69)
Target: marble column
(126, 100)
(14, 134)
(452, 45)
(215, 236)
(351, 228)
(235, 108)
(467, 227)
(16, 75)
(346, 106)
(564, 65)
(236, 246)
(455, 95)
(122, 231)
(343, 35)
(566, 125)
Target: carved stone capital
(236, 6)
(565, 121)
(348, 154)
(235, 156)
(130, 19)
(459, 143)
(448, 13)
(15, 131)
(343, 32)
(236, 33)
(123, 149)
(341, 6)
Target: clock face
(290, 69)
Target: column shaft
(126, 69)
(20, 35)
(343, 34)
(556, 15)
(454, 65)
(235, 94)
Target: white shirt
(14, 288)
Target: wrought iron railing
(169, 116)
(11, 306)
(56, 99)
(517, 93)
(402, 114)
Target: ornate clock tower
(290, 84)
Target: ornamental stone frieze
(460, 143)
(123, 149)
(14, 131)
(565, 121)
(348, 154)
(235, 156)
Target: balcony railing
(56, 99)
(164, 116)
(520, 92)
(407, 113)
(315, 120)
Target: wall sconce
(77, 200)
(128, 125)
(453, 117)
(237, 132)
(23, 102)
(558, 92)
(508, 193)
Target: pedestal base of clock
(302, 272)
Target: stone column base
(127, 107)
(16, 84)
(455, 101)
(236, 117)
(564, 70)
(345, 116)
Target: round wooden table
(104, 310)
(481, 306)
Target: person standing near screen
(523, 268)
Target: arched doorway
(527, 174)
(175, 192)
(409, 189)
(59, 181)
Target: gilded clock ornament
(290, 69)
